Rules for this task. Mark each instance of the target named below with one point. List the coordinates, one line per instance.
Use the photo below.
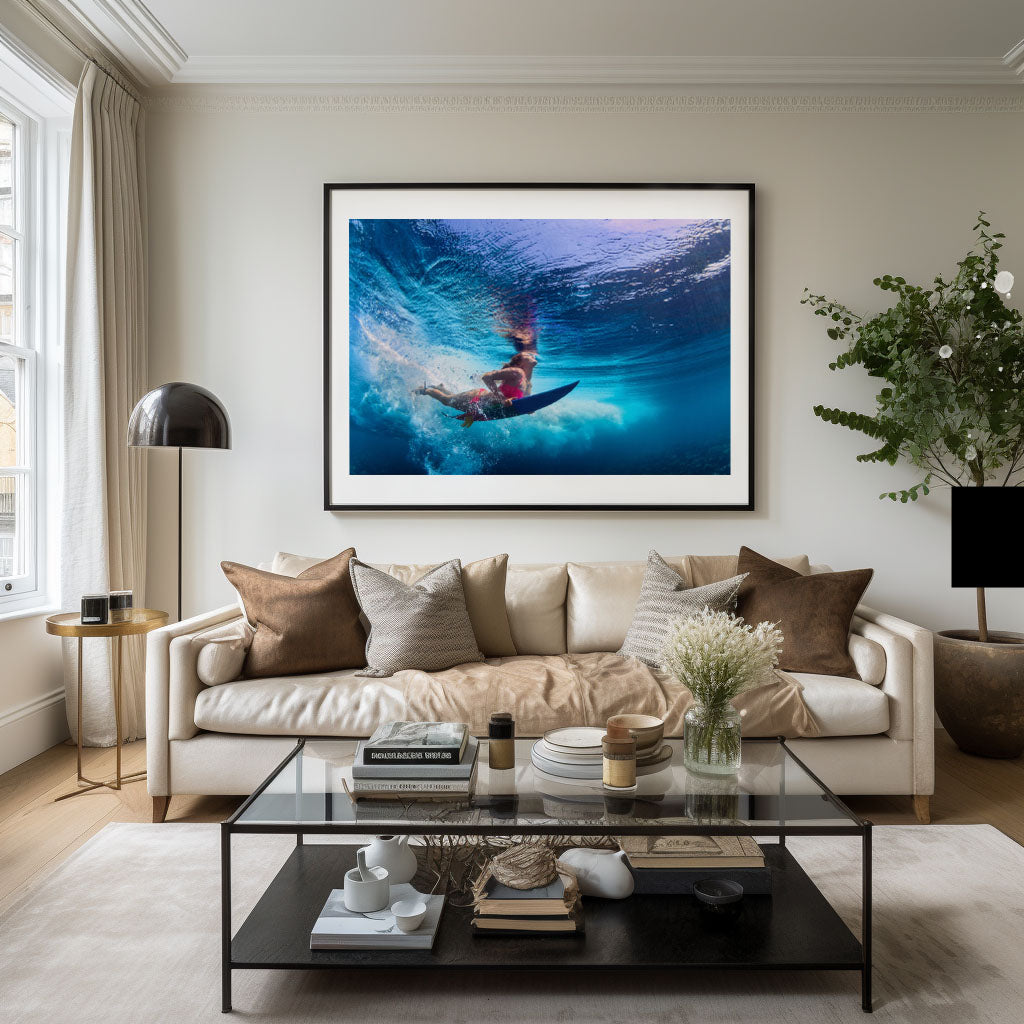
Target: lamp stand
(179, 534)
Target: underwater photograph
(539, 347)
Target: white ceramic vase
(394, 855)
(600, 872)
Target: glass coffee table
(774, 795)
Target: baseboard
(31, 727)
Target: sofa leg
(160, 805)
(922, 809)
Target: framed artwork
(538, 346)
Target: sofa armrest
(909, 683)
(171, 687)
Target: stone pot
(979, 691)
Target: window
(33, 159)
(18, 562)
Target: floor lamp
(179, 416)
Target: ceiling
(572, 41)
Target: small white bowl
(409, 914)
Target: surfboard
(523, 406)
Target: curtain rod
(105, 66)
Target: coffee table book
(555, 908)
(405, 771)
(413, 789)
(571, 924)
(692, 851)
(417, 743)
(340, 928)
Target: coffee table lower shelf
(793, 929)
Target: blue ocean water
(636, 311)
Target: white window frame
(39, 104)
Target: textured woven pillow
(664, 597)
(425, 625)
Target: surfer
(512, 380)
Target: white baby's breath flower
(718, 656)
(1003, 282)
(945, 352)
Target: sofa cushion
(868, 658)
(542, 693)
(844, 707)
(814, 612)
(601, 600)
(220, 657)
(421, 625)
(602, 595)
(535, 599)
(306, 624)
(483, 583)
(665, 597)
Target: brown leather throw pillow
(814, 612)
(307, 623)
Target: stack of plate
(575, 753)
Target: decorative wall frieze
(344, 102)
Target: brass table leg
(119, 780)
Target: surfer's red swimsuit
(505, 390)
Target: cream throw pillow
(483, 583)
(221, 656)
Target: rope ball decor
(526, 866)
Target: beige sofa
(875, 733)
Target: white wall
(235, 235)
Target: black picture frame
(746, 505)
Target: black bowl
(717, 892)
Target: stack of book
(416, 761)
(553, 909)
(671, 864)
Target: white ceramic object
(575, 739)
(409, 914)
(394, 855)
(366, 897)
(600, 872)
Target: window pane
(6, 172)
(8, 254)
(12, 527)
(9, 411)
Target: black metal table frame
(857, 827)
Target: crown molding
(1014, 60)
(585, 71)
(211, 102)
(128, 31)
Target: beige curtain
(105, 373)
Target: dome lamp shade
(179, 415)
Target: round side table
(69, 624)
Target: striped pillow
(664, 597)
(424, 626)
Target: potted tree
(952, 360)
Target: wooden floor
(36, 834)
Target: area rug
(127, 930)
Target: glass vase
(711, 740)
